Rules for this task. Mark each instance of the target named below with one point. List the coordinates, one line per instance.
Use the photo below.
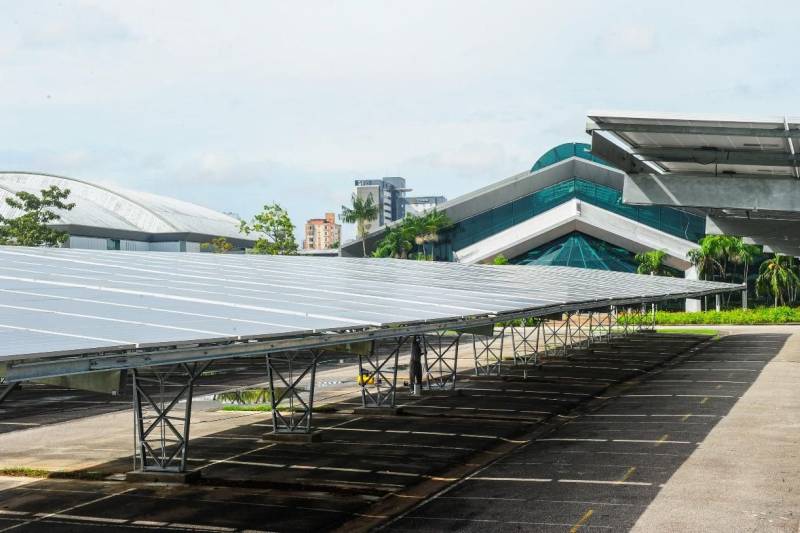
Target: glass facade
(582, 251)
(488, 223)
(565, 151)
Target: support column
(6, 388)
(488, 349)
(161, 430)
(693, 305)
(525, 342)
(555, 337)
(377, 377)
(744, 299)
(441, 367)
(718, 302)
(291, 413)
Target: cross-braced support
(555, 337)
(580, 330)
(161, 430)
(525, 342)
(440, 356)
(488, 351)
(291, 413)
(600, 325)
(377, 375)
(6, 388)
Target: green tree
(218, 245)
(396, 242)
(360, 212)
(704, 259)
(778, 277)
(500, 259)
(275, 231)
(652, 262)
(31, 227)
(429, 227)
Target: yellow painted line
(685, 418)
(704, 400)
(580, 523)
(628, 474)
(718, 386)
(662, 439)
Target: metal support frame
(286, 370)
(554, 336)
(7, 389)
(488, 350)
(378, 375)
(441, 368)
(525, 343)
(161, 445)
(580, 329)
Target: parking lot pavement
(361, 464)
(482, 459)
(602, 470)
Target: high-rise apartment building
(322, 233)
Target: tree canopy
(652, 262)
(31, 227)
(399, 239)
(275, 231)
(360, 212)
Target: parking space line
(580, 523)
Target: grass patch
(689, 331)
(265, 408)
(24, 471)
(259, 407)
(760, 315)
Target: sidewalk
(746, 474)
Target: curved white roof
(116, 208)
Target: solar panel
(55, 301)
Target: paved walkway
(746, 474)
(709, 444)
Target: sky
(237, 104)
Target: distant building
(389, 194)
(113, 218)
(417, 205)
(322, 233)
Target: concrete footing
(147, 476)
(381, 411)
(293, 438)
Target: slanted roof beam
(778, 132)
(736, 191)
(707, 156)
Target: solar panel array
(57, 301)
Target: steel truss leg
(378, 376)
(580, 330)
(286, 371)
(488, 349)
(441, 366)
(555, 336)
(7, 388)
(525, 341)
(161, 445)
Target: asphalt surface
(364, 463)
(600, 471)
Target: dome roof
(115, 208)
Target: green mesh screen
(582, 251)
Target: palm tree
(432, 223)
(651, 262)
(744, 254)
(705, 261)
(778, 277)
(361, 212)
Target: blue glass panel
(565, 151)
(582, 251)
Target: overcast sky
(236, 104)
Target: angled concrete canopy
(586, 218)
(751, 166)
